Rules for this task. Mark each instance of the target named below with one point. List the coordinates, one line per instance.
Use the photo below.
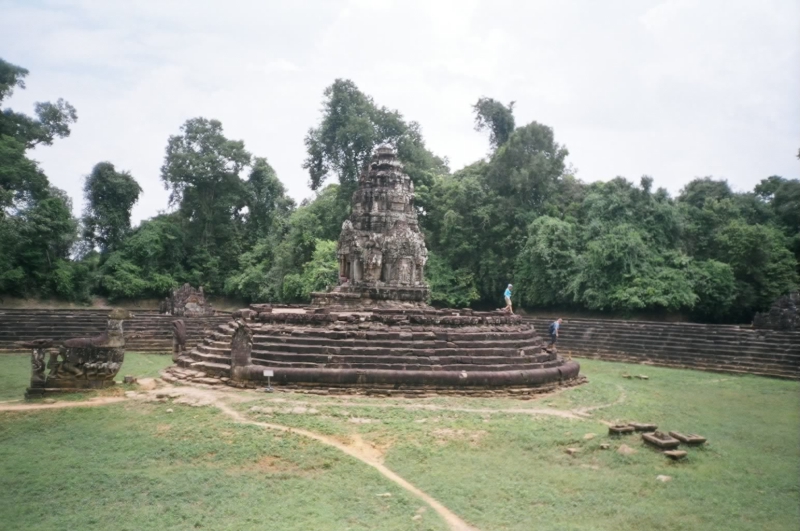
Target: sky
(674, 89)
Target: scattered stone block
(605, 446)
(572, 451)
(620, 429)
(663, 479)
(588, 436)
(129, 379)
(208, 381)
(675, 454)
(691, 439)
(661, 440)
(643, 377)
(643, 426)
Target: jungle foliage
(517, 215)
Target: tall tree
(52, 119)
(202, 169)
(37, 229)
(497, 118)
(527, 167)
(266, 199)
(110, 196)
(352, 126)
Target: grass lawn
(135, 466)
(15, 371)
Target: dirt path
(364, 453)
(97, 401)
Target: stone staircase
(722, 348)
(146, 331)
(331, 349)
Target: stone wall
(722, 348)
(146, 331)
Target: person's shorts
(553, 338)
(508, 301)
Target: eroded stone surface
(381, 250)
(79, 363)
(187, 301)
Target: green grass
(134, 466)
(15, 371)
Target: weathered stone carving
(782, 315)
(178, 338)
(187, 302)
(80, 363)
(381, 250)
(241, 347)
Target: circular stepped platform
(379, 350)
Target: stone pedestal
(78, 364)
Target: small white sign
(268, 373)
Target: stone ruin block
(80, 363)
(782, 315)
(178, 338)
(187, 301)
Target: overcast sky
(674, 89)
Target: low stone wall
(722, 348)
(146, 331)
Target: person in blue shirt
(507, 295)
(554, 326)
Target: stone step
(693, 361)
(337, 348)
(402, 335)
(407, 367)
(630, 346)
(408, 344)
(390, 357)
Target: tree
(546, 264)
(265, 198)
(37, 229)
(698, 191)
(110, 196)
(763, 266)
(497, 118)
(527, 167)
(52, 119)
(201, 169)
(319, 273)
(452, 288)
(352, 126)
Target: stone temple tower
(381, 250)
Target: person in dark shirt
(554, 326)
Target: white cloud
(675, 89)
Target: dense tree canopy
(518, 215)
(110, 196)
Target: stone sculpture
(381, 250)
(178, 338)
(782, 315)
(80, 363)
(187, 302)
